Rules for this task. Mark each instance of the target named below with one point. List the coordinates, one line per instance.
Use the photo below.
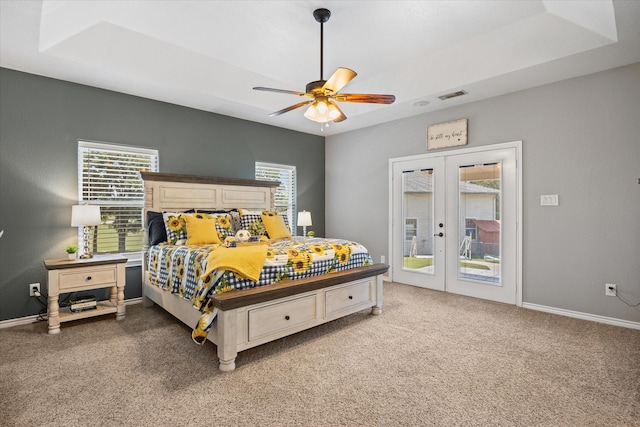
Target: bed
(237, 316)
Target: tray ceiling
(209, 55)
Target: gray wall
(581, 140)
(41, 121)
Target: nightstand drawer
(88, 276)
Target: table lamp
(304, 219)
(85, 216)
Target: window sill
(134, 259)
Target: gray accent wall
(41, 121)
(581, 140)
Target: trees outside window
(109, 176)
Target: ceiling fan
(324, 93)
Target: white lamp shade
(304, 218)
(322, 110)
(82, 215)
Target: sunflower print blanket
(179, 269)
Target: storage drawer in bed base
(304, 311)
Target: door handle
(440, 234)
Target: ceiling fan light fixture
(324, 93)
(322, 110)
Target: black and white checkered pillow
(251, 221)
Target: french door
(454, 222)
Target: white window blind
(285, 197)
(109, 176)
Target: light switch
(549, 200)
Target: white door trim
(517, 145)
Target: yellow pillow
(275, 226)
(201, 231)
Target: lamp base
(85, 238)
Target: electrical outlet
(610, 290)
(33, 288)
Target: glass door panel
(482, 250)
(479, 230)
(417, 203)
(417, 215)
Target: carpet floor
(430, 359)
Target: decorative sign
(447, 134)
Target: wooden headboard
(166, 191)
(176, 192)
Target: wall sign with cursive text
(448, 134)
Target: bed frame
(251, 317)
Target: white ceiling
(210, 54)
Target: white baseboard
(36, 317)
(553, 310)
(583, 316)
(21, 321)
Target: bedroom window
(285, 200)
(108, 176)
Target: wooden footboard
(252, 317)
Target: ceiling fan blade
(368, 98)
(270, 89)
(293, 107)
(339, 79)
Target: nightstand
(65, 276)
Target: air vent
(452, 95)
